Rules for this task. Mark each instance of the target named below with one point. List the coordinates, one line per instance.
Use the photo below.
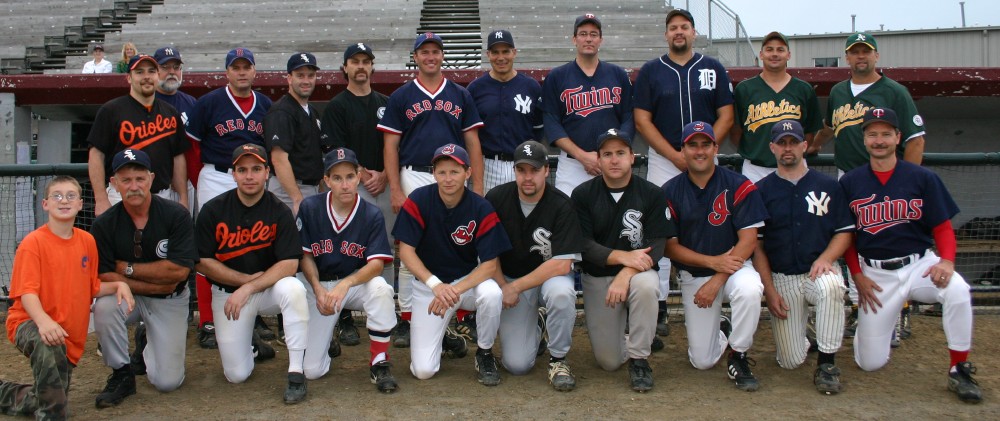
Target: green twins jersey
(758, 107)
(845, 112)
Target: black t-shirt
(289, 127)
(350, 122)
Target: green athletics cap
(861, 38)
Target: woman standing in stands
(128, 50)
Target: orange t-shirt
(63, 274)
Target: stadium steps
(457, 23)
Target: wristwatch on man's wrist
(129, 270)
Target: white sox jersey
(341, 249)
(221, 125)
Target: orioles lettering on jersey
(543, 242)
(585, 103)
(238, 124)
(240, 240)
(848, 115)
(632, 220)
(463, 234)
(439, 105)
(875, 217)
(147, 132)
(769, 112)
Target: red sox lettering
(238, 124)
(439, 105)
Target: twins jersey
(676, 95)
(450, 242)
(802, 219)
(246, 239)
(220, 125)
(297, 132)
(583, 107)
(708, 219)
(633, 221)
(341, 249)
(845, 113)
(167, 236)
(428, 120)
(350, 120)
(896, 219)
(184, 104)
(511, 111)
(550, 229)
(124, 123)
(758, 107)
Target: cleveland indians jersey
(511, 111)
(220, 125)
(896, 219)
(551, 229)
(582, 107)
(709, 219)
(341, 249)
(428, 119)
(802, 219)
(450, 242)
(677, 95)
(758, 107)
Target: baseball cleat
(827, 379)
(401, 334)
(263, 330)
(739, 371)
(295, 392)
(662, 328)
(486, 366)
(382, 378)
(334, 350)
(657, 344)
(206, 336)
(905, 331)
(347, 332)
(543, 342)
(894, 341)
(121, 384)
(261, 350)
(851, 327)
(453, 345)
(640, 375)
(467, 328)
(136, 360)
(560, 377)
(726, 326)
(961, 382)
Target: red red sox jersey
(450, 242)
(896, 219)
(709, 219)
(220, 125)
(582, 107)
(341, 249)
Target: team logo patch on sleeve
(161, 248)
(463, 234)
(720, 209)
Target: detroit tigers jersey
(802, 218)
(551, 229)
(630, 223)
(511, 112)
(289, 127)
(428, 120)
(350, 122)
(340, 250)
(708, 219)
(758, 107)
(677, 95)
(246, 239)
(450, 242)
(845, 113)
(583, 107)
(220, 125)
(898, 218)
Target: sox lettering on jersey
(447, 106)
(463, 234)
(543, 243)
(875, 217)
(238, 124)
(347, 248)
(585, 103)
(632, 220)
(243, 240)
(720, 209)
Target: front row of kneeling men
(505, 256)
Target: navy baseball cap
(337, 156)
(301, 59)
(787, 128)
(239, 53)
(452, 151)
(613, 134)
(251, 149)
(695, 128)
(165, 54)
(97, 46)
(359, 48)
(131, 157)
(500, 36)
(587, 18)
(532, 153)
(861, 38)
(428, 37)
(680, 12)
(880, 115)
(139, 58)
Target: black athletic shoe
(467, 328)
(136, 360)
(295, 392)
(348, 333)
(640, 375)
(961, 382)
(382, 378)
(662, 326)
(261, 350)
(543, 341)
(486, 366)
(851, 326)
(401, 334)
(206, 336)
(263, 330)
(739, 371)
(726, 326)
(121, 384)
(453, 345)
(334, 350)
(827, 379)
(657, 344)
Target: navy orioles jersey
(511, 111)
(802, 219)
(898, 218)
(551, 229)
(677, 95)
(341, 249)
(450, 242)
(428, 120)
(708, 219)
(632, 222)
(247, 239)
(583, 107)
(220, 125)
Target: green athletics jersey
(845, 112)
(758, 107)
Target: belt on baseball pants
(222, 168)
(498, 156)
(421, 168)
(893, 264)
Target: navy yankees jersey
(708, 219)
(582, 107)
(551, 229)
(511, 111)
(802, 218)
(632, 222)
(291, 128)
(450, 242)
(220, 125)
(341, 249)
(428, 120)
(247, 239)
(183, 102)
(677, 95)
(898, 218)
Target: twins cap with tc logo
(587, 18)
(880, 115)
(452, 151)
(130, 157)
(787, 128)
(695, 128)
(532, 153)
(337, 156)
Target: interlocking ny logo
(818, 206)
(522, 103)
(169, 51)
(786, 126)
(498, 35)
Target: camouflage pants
(47, 399)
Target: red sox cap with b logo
(337, 156)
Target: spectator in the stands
(98, 64)
(128, 50)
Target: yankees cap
(861, 38)
(774, 35)
(500, 36)
(428, 37)
(359, 48)
(695, 128)
(680, 12)
(251, 149)
(239, 53)
(880, 115)
(301, 59)
(337, 156)
(131, 157)
(452, 151)
(587, 18)
(532, 153)
(139, 58)
(165, 54)
(787, 127)
(613, 134)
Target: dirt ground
(912, 386)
